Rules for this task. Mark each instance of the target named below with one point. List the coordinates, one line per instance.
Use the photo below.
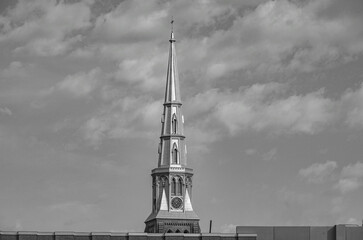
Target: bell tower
(172, 181)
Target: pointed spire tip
(172, 39)
(172, 23)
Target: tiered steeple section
(172, 209)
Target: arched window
(174, 124)
(173, 186)
(177, 231)
(186, 231)
(174, 154)
(169, 231)
(180, 187)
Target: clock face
(176, 202)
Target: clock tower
(172, 181)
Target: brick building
(337, 232)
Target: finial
(172, 30)
(172, 24)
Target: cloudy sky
(273, 102)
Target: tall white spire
(172, 179)
(172, 149)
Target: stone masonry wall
(121, 236)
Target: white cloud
(210, 98)
(355, 171)
(124, 118)
(348, 184)
(351, 178)
(260, 108)
(271, 107)
(16, 70)
(298, 40)
(270, 155)
(199, 137)
(132, 21)
(46, 28)
(143, 72)
(318, 172)
(352, 103)
(5, 111)
(264, 156)
(279, 37)
(81, 84)
(251, 151)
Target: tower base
(172, 226)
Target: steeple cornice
(168, 136)
(172, 103)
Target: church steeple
(172, 209)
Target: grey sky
(273, 103)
